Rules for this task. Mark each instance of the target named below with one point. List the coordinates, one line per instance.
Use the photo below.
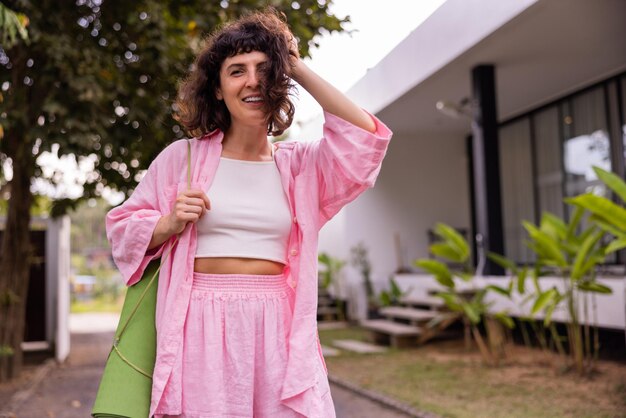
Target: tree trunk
(15, 262)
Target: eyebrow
(231, 66)
(239, 65)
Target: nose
(253, 79)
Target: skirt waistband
(240, 283)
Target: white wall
(423, 181)
(58, 285)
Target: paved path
(69, 390)
(350, 405)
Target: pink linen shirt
(318, 178)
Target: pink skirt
(234, 348)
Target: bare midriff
(236, 265)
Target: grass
(97, 305)
(443, 378)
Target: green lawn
(443, 378)
(97, 305)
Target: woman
(237, 297)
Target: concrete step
(331, 325)
(393, 333)
(429, 301)
(360, 347)
(390, 327)
(411, 314)
(329, 351)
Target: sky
(342, 59)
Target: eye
(263, 68)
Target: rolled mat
(126, 384)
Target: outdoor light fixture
(455, 110)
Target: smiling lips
(253, 99)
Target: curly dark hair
(199, 110)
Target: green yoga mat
(125, 389)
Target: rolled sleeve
(131, 225)
(349, 160)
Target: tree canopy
(98, 78)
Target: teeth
(253, 99)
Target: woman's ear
(218, 94)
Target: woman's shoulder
(179, 148)
(172, 158)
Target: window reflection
(581, 154)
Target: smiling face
(240, 87)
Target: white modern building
(548, 77)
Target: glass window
(586, 142)
(586, 145)
(549, 161)
(516, 176)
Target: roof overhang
(542, 50)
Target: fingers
(195, 197)
(190, 206)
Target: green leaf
(454, 239)
(603, 207)
(583, 252)
(613, 181)
(574, 221)
(579, 240)
(521, 280)
(595, 287)
(438, 269)
(605, 225)
(444, 250)
(385, 299)
(591, 263)
(549, 248)
(466, 277)
(479, 296)
(549, 311)
(326, 279)
(500, 290)
(452, 301)
(553, 226)
(615, 245)
(543, 300)
(503, 262)
(471, 313)
(395, 289)
(505, 319)
(525, 300)
(535, 277)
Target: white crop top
(249, 215)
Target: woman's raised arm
(328, 96)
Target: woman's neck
(246, 143)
